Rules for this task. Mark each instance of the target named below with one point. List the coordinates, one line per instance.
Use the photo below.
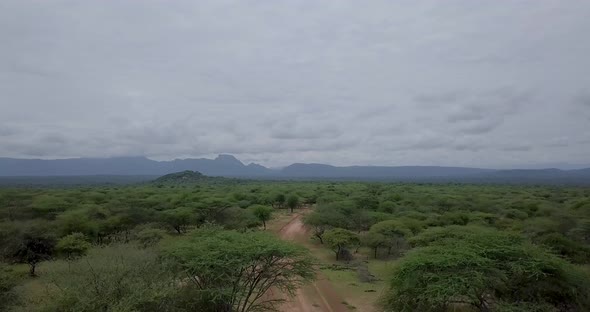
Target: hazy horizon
(562, 166)
(457, 83)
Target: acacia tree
(232, 271)
(73, 246)
(317, 223)
(113, 278)
(149, 237)
(30, 246)
(374, 241)
(393, 231)
(292, 202)
(488, 271)
(325, 217)
(279, 200)
(340, 239)
(178, 218)
(263, 213)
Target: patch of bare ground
(317, 296)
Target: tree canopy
(340, 240)
(488, 271)
(263, 213)
(233, 271)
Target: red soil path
(317, 296)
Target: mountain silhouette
(223, 165)
(229, 166)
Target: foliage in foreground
(38, 226)
(114, 278)
(26, 244)
(209, 270)
(487, 271)
(233, 271)
(7, 281)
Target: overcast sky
(467, 83)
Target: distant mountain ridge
(328, 171)
(223, 165)
(228, 166)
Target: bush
(565, 247)
(486, 271)
(340, 240)
(149, 237)
(232, 271)
(7, 281)
(72, 246)
(516, 214)
(114, 278)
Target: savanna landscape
(187, 242)
(294, 156)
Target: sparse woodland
(203, 246)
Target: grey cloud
(440, 98)
(479, 127)
(472, 114)
(6, 131)
(422, 142)
(307, 133)
(583, 100)
(467, 147)
(522, 148)
(153, 134)
(279, 82)
(54, 138)
(558, 144)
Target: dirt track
(318, 296)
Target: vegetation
(232, 271)
(73, 246)
(340, 240)
(199, 246)
(8, 281)
(186, 177)
(292, 202)
(487, 270)
(113, 278)
(263, 213)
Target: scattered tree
(112, 278)
(374, 241)
(292, 202)
(73, 246)
(340, 239)
(28, 245)
(232, 271)
(279, 200)
(487, 271)
(263, 213)
(317, 223)
(178, 218)
(149, 237)
(394, 232)
(559, 244)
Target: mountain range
(229, 166)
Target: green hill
(184, 177)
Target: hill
(185, 177)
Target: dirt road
(315, 297)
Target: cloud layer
(486, 83)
